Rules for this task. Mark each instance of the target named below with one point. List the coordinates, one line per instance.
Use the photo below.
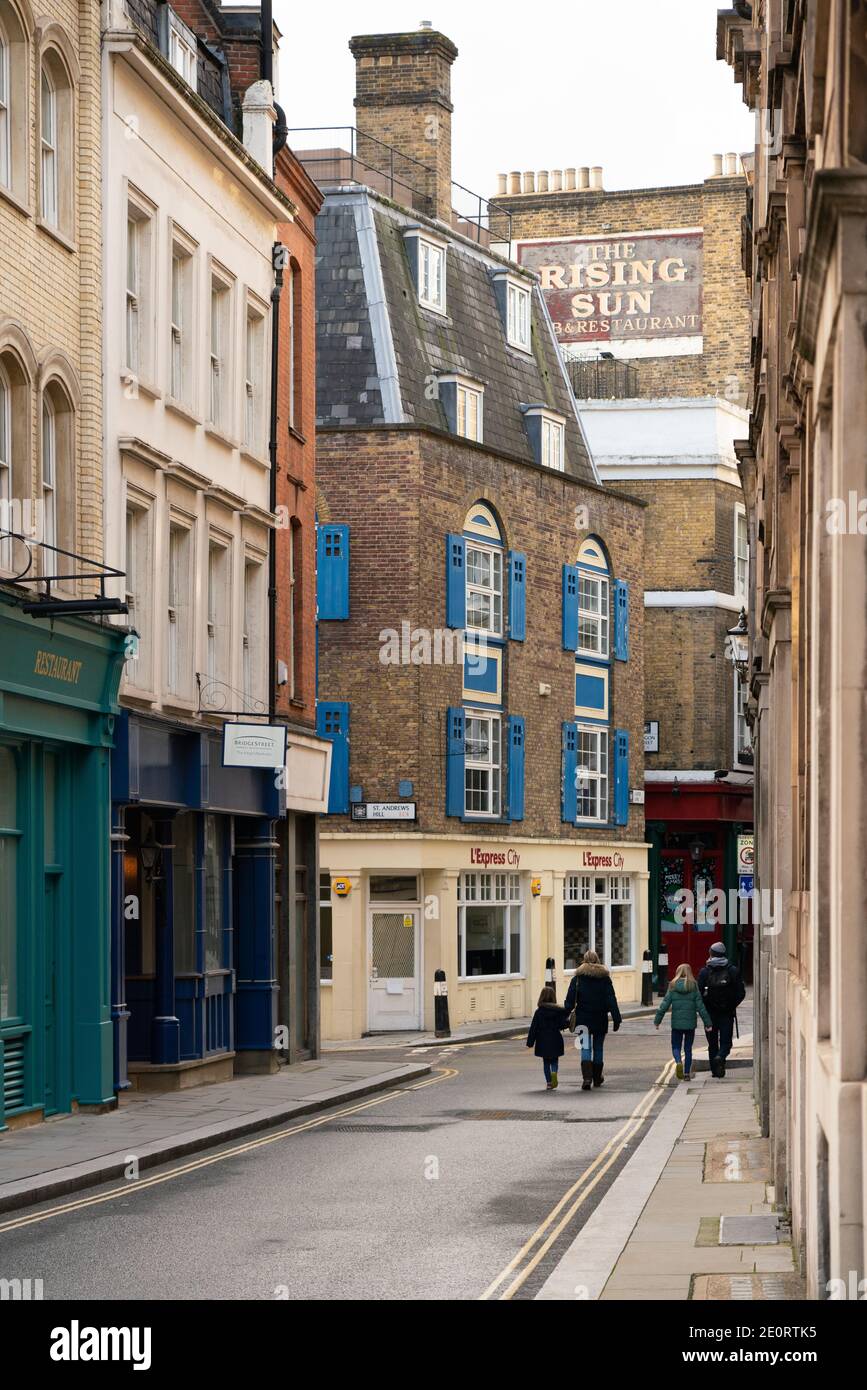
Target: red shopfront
(693, 829)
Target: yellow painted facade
(438, 862)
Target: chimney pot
(529, 181)
(717, 166)
(596, 177)
(501, 185)
(515, 181)
(584, 177)
(731, 164)
(259, 117)
(570, 180)
(556, 180)
(542, 181)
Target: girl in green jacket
(686, 1003)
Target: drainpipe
(279, 260)
(266, 72)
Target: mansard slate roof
(357, 272)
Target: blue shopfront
(194, 977)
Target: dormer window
(463, 403)
(427, 257)
(514, 298)
(547, 434)
(180, 47)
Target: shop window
(326, 945)
(598, 915)
(10, 835)
(214, 894)
(396, 888)
(490, 925)
(184, 893)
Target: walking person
(591, 997)
(722, 989)
(686, 1004)
(546, 1032)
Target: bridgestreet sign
(384, 810)
(254, 745)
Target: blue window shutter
(332, 722)
(456, 581)
(621, 777)
(621, 620)
(570, 608)
(570, 771)
(517, 595)
(332, 572)
(515, 726)
(455, 763)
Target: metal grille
(13, 1073)
(393, 945)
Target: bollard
(647, 978)
(662, 973)
(441, 1005)
(549, 974)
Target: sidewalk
(691, 1216)
(79, 1151)
(466, 1033)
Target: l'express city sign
(624, 289)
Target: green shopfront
(58, 697)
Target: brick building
(295, 613)
(480, 634)
(804, 466)
(59, 674)
(645, 297)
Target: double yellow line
(528, 1257)
(132, 1187)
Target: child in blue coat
(546, 1032)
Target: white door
(395, 990)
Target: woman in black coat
(546, 1031)
(591, 995)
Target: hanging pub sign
(640, 291)
(254, 745)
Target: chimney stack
(403, 99)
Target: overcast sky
(632, 85)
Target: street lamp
(150, 854)
(737, 645)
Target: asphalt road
(430, 1193)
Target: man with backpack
(722, 990)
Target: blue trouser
(683, 1038)
(719, 1036)
(551, 1065)
(592, 1049)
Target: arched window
(48, 132)
(49, 475)
(57, 135)
(5, 467)
(15, 24)
(5, 123)
(485, 572)
(17, 370)
(296, 348)
(57, 476)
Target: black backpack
(719, 991)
